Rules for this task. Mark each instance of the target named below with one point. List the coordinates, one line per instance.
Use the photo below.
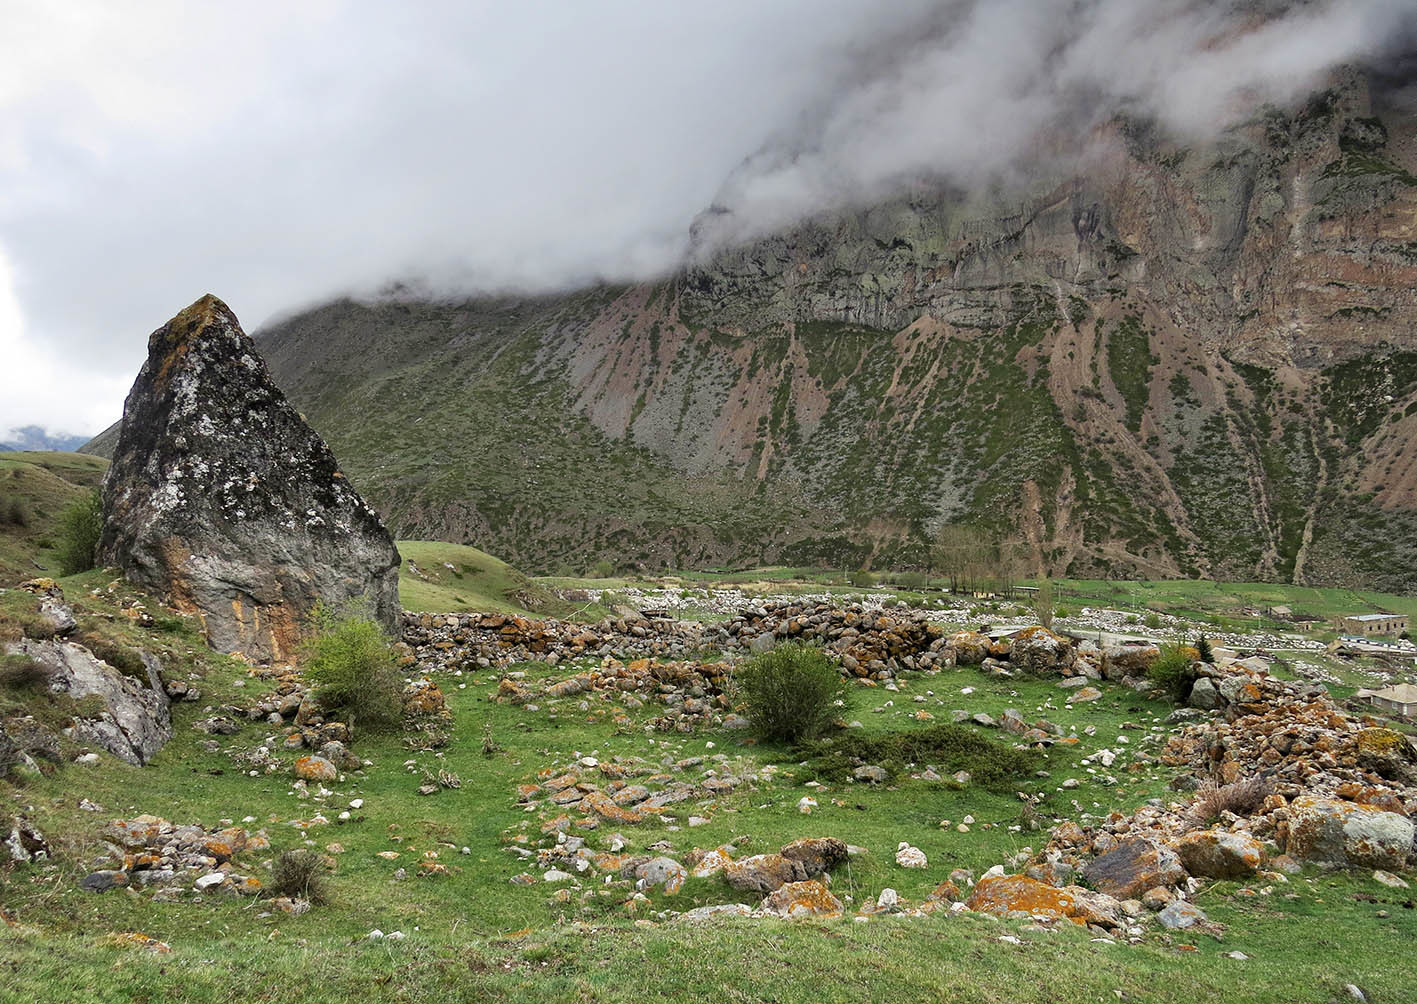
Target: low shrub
(1241, 797)
(20, 672)
(790, 693)
(354, 670)
(948, 747)
(1175, 670)
(80, 526)
(860, 578)
(301, 874)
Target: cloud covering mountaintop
(282, 154)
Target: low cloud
(280, 154)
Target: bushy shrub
(790, 692)
(1153, 620)
(80, 526)
(16, 514)
(602, 569)
(1203, 651)
(1175, 670)
(301, 874)
(860, 578)
(354, 670)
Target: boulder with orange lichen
(795, 900)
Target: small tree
(1203, 649)
(80, 527)
(354, 670)
(1043, 603)
(1175, 671)
(602, 569)
(790, 692)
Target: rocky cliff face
(223, 499)
(1177, 361)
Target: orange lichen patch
(427, 869)
(136, 939)
(561, 822)
(803, 899)
(945, 892)
(602, 805)
(526, 792)
(1037, 631)
(1008, 894)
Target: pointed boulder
(223, 500)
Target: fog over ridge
(281, 155)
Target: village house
(1398, 700)
(1374, 624)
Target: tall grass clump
(300, 874)
(354, 670)
(790, 693)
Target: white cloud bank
(277, 154)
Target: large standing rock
(135, 722)
(223, 499)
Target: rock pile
(222, 499)
(1288, 778)
(473, 641)
(151, 852)
(870, 642)
(693, 693)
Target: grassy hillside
(443, 577)
(35, 487)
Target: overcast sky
(278, 154)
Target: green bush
(602, 569)
(1175, 670)
(1203, 650)
(860, 578)
(1153, 620)
(790, 693)
(911, 580)
(354, 670)
(80, 526)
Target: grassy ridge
(37, 486)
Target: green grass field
(473, 935)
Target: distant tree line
(976, 560)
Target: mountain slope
(1184, 361)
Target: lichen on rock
(221, 498)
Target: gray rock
(871, 774)
(24, 842)
(1179, 915)
(136, 722)
(221, 497)
(762, 643)
(101, 881)
(1204, 695)
(1339, 834)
